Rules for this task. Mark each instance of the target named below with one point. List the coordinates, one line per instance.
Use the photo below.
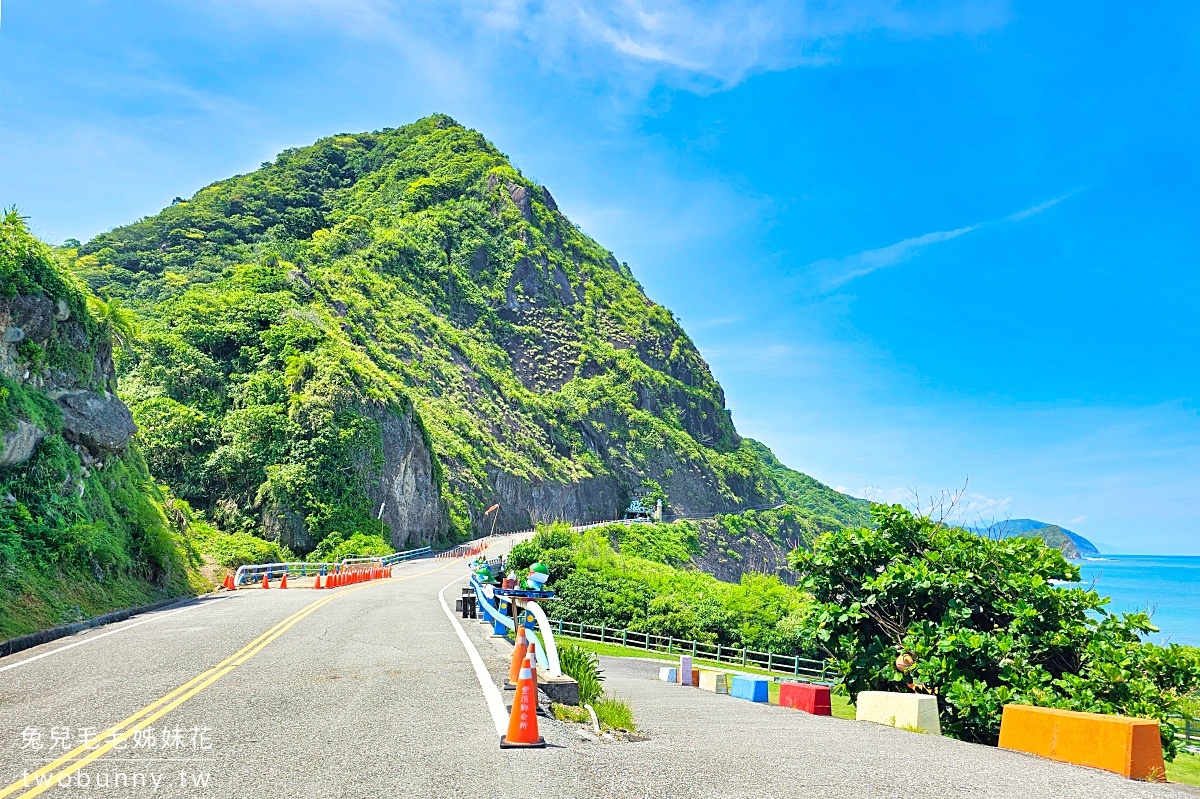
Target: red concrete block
(805, 696)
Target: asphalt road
(368, 691)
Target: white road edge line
(91, 638)
(491, 693)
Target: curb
(23, 642)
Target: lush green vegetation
(285, 314)
(584, 667)
(787, 526)
(75, 540)
(983, 625)
(982, 620)
(819, 500)
(637, 588)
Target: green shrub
(571, 713)
(241, 549)
(584, 668)
(985, 624)
(612, 712)
(335, 547)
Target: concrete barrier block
(695, 678)
(685, 669)
(668, 674)
(804, 696)
(753, 689)
(715, 681)
(910, 711)
(1128, 746)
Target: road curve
(368, 691)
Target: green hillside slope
(401, 319)
(83, 528)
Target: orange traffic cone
(518, 657)
(523, 724)
(317, 584)
(283, 582)
(229, 586)
(266, 583)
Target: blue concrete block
(752, 688)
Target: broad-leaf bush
(986, 623)
(599, 585)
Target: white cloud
(717, 44)
(833, 273)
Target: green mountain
(1073, 545)
(83, 527)
(400, 319)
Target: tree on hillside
(118, 321)
(917, 605)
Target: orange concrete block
(1130, 747)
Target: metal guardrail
(252, 573)
(790, 665)
(1187, 730)
(397, 557)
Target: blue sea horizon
(1166, 585)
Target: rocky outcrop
(413, 511)
(533, 286)
(18, 446)
(98, 422)
(78, 376)
(525, 502)
(34, 315)
(281, 523)
(727, 557)
(524, 202)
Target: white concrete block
(667, 673)
(715, 681)
(909, 711)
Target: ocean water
(1168, 586)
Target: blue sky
(918, 242)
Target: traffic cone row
(338, 579)
(228, 584)
(332, 580)
(523, 723)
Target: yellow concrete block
(909, 711)
(714, 681)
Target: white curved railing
(547, 653)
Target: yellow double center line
(50, 774)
